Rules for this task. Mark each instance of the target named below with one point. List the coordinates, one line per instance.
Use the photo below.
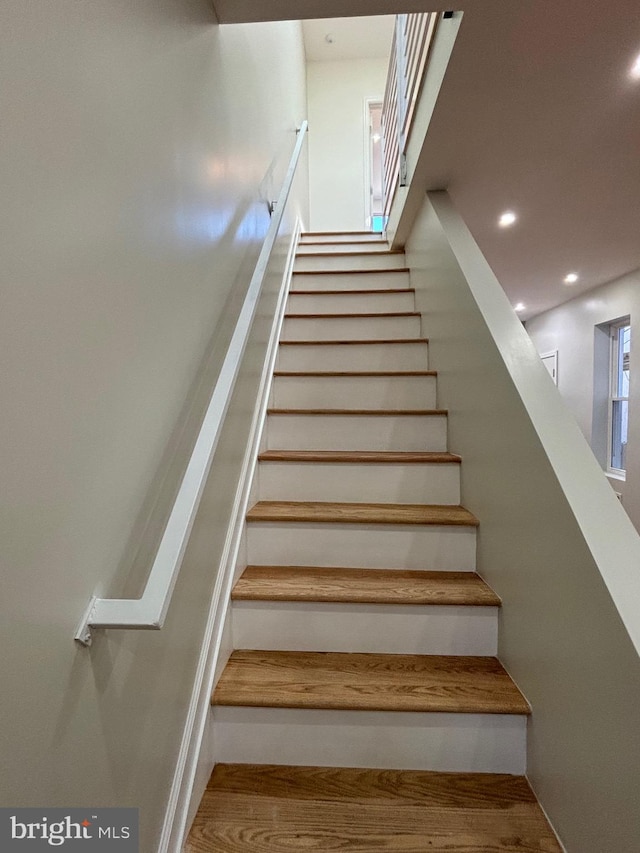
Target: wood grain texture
(346, 254)
(360, 291)
(361, 513)
(351, 316)
(377, 270)
(369, 682)
(272, 809)
(369, 341)
(355, 412)
(340, 373)
(362, 586)
(401, 457)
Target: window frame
(615, 329)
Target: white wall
(553, 541)
(336, 93)
(570, 328)
(139, 144)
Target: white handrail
(150, 610)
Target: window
(619, 396)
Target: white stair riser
(366, 628)
(445, 548)
(409, 356)
(328, 248)
(376, 483)
(370, 261)
(350, 303)
(357, 432)
(338, 281)
(353, 392)
(474, 743)
(349, 328)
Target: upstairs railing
(410, 51)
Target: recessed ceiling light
(634, 71)
(520, 306)
(507, 219)
(571, 278)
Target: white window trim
(614, 333)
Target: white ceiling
(537, 114)
(348, 38)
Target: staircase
(364, 707)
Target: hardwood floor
(272, 809)
(461, 684)
(362, 586)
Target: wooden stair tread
(361, 513)
(363, 238)
(356, 253)
(363, 586)
(351, 316)
(273, 808)
(345, 272)
(369, 682)
(358, 412)
(342, 373)
(367, 341)
(368, 291)
(404, 457)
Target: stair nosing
(364, 457)
(371, 291)
(367, 341)
(375, 270)
(346, 253)
(353, 315)
(359, 513)
(283, 694)
(356, 373)
(362, 412)
(249, 589)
